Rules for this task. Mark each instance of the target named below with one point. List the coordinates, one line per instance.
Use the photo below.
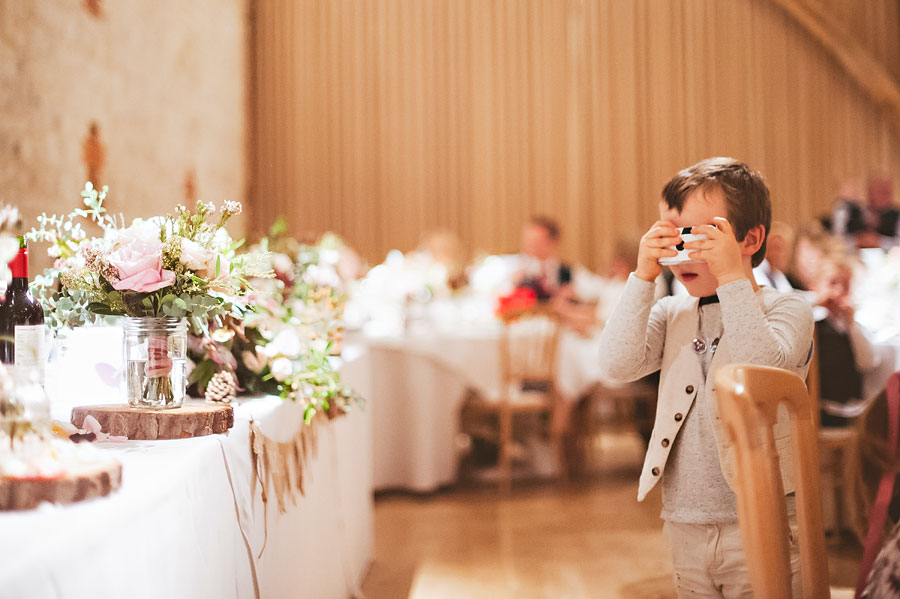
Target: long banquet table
(185, 524)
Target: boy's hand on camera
(655, 244)
(720, 250)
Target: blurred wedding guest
(538, 265)
(779, 249)
(446, 248)
(844, 351)
(846, 215)
(585, 305)
(872, 222)
(812, 242)
(881, 216)
(622, 263)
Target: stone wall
(163, 81)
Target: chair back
(528, 348)
(891, 439)
(748, 398)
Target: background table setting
(415, 353)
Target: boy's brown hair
(745, 191)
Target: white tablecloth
(184, 523)
(415, 384)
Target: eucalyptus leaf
(103, 309)
(203, 372)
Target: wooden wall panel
(385, 119)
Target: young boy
(726, 319)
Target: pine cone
(221, 387)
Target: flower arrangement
(284, 346)
(512, 306)
(182, 265)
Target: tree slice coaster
(193, 419)
(83, 481)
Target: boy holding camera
(726, 319)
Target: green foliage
(203, 373)
(81, 284)
(303, 308)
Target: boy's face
(700, 207)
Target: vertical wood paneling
(385, 119)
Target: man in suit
(871, 223)
(539, 266)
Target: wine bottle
(21, 318)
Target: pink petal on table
(91, 425)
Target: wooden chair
(837, 452)
(877, 470)
(527, 360)
(611, 410)
(749, 397)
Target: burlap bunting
(282, 465)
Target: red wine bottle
(21, 318)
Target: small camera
(682, 256)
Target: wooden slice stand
(193, 419)
(83, 482)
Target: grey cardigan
(764, 327)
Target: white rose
(281, 369)
(319, 345)
(323, 275)
(146, 231)
(254, 360)
(282, 263)
(285, 343)
(224, 266)
(222, 240)
(194, 256)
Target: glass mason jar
(24, 406)
(155, 352)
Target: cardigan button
(655, 471)
(678, 417)
(689, 389)
(665, 443)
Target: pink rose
(140, 267)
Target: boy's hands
(720, 250)
(655, 244)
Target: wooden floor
(590, 539)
